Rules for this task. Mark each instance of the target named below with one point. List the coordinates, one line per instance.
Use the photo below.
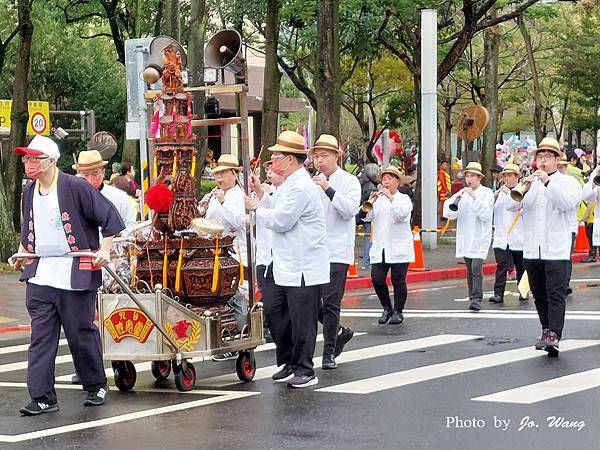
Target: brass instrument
(367, 206)
(518, 193)
(454, 205)
(596, 180)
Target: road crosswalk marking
(463, 314)
(431, 372)
(354, 355)
(545, 390)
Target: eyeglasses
(545, 156)
(33, 158)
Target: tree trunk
(196, 41)
(448, 125)
(19, 114)
(491, 52)
(172, 24)
(272, 77)
(327, 68)
(537, 92)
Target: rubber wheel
(245, 366)
(185, 381)
(161, 370)
(125, 375)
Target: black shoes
(589, 259)
(283, 375)
(551, 343)
(328, 361)
(225, 356)
(496, 299)
(397, 318)
(96, 398)
(36, 408)
(475, 306)
(303, 381)
(539, 345)
(75, 379)
(569, 290)
(385, 316)
(342, 340)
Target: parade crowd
(305, 242)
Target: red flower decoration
(71, 239)
(31, 225)
(30, 248)
(30, 237)
(181, 328)
(74, 249)
(68, 227)
(65, 216)
(159, 198)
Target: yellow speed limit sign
(39, 117)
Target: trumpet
(367, 206)
(596, 180)
(517, 194)
(454, 205)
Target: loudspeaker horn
(224, 51)
(153, 70)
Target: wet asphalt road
(418, 385)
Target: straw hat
(563, 161)
(89, 160)
(327, 142)
(511, 168)
(549, 144)
(474, 167)
(392, 170)
(227, 162)
(290, 142)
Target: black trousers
(589, 231)
(547, 282)
(569, 262)
(379, 273)
(503, 259)
(50, 308)
(329, 313)
(292, 314)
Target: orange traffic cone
(419, 263)
(582, 244)
(352, 270)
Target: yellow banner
(39, 117)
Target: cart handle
(121, 283)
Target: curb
(436, 274)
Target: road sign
(39, 117)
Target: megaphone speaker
(153, 70)
(224, 51)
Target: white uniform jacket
(391, 230)
(503, 219)
(232, 215)
(122, 202)
(473, 222)
(299, 234)
(340, 215)
(547, 216)
(591, 193)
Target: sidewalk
(440, 264)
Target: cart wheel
(245, 366)
(161, 369)
(125, 375)
(185, 381)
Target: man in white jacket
(548, 206)
(300, 266)
(340, 196)
(591, 193)
(472, 208)
(508, 234)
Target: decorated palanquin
(182, 272)
(196, 267)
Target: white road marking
(353, 355)
(23, 347)
(435, 371)
(146, 366)
(221, 396)
(451, 314)
(546, 390)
